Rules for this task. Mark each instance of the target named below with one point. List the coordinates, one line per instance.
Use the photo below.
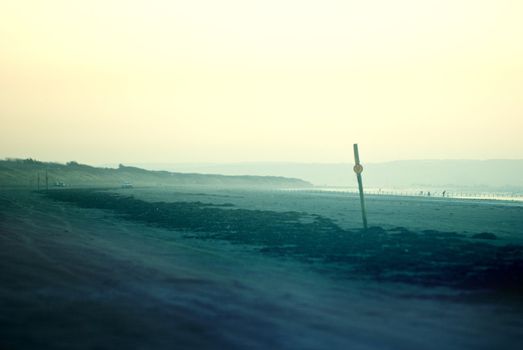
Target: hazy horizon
(493, 174)
(230, 81)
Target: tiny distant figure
(428, 194)
(443, 193)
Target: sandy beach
(80, 278)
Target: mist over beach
(261, 174)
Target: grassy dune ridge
(24, 173)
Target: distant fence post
(358, 169)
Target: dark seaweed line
(428, 258)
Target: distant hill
(495, 174)
(24, 173)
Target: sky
(109, 81)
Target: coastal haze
(483, 175)
(179, 174)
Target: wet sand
(80, 278)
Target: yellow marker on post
(358, 169)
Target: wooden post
(358, 169)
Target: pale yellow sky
(221, 81)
